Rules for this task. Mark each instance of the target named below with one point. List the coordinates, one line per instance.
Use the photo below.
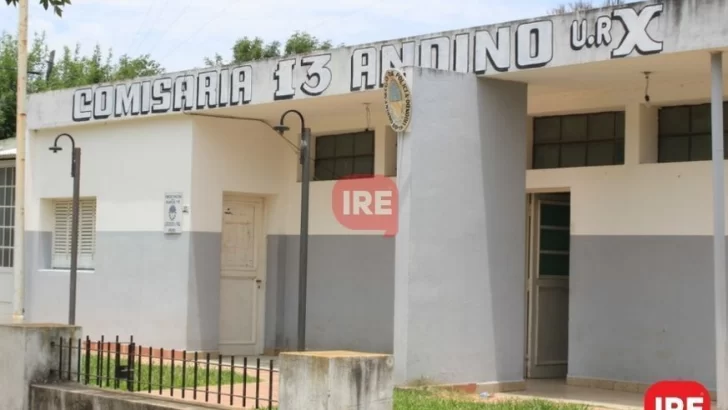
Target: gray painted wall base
(641, 308)
(164, 290)
(350, 293)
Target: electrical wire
(165, 31)
(203, 25)
(142, 22)
(307, 29)
(294, 148)
(368, 115)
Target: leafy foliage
(583, 5)
(253, 49)
(300, 43)
(57, 5)
(70, 70)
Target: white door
(548, 286)
(242, 276)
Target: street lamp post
(303, 251)
(76, 175)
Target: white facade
(447, 296)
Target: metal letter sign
(173, 212)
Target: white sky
(180, 33)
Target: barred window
(684, 133)
(578, 140)
(342, 155)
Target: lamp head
(55, 149)
(281, 128)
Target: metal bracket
(122, 372)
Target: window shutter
(86, 234)
(62, 234)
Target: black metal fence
(134, 368)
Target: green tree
(142, 66)
(57, 5)
(72, 69)
(301, 43)
(75, 70)
(37, 53)
(582, 5)
(253, 49)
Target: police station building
(555, 202)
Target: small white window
(63, 214)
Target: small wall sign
(172, 212)
(397, 100)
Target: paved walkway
(559, 391)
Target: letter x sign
(635, 26)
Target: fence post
(131, 353)
(117, 363)
(87, 363)
(29, 357)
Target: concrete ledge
(29, 354)
(336, 380)
(75, 396)
(616, 385)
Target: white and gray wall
(164, 289)
(641, 266)
(140, 283)
(459, 275)
(641, 282)
(349, 272)
(641, 257)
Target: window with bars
(684, 133)
(342, 155)
(7, 214)
(63, 214)
(579, 140)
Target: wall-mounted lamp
(303, 245)
(647, 87)
(76, 175)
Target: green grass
(143, 376)
(415, 399)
